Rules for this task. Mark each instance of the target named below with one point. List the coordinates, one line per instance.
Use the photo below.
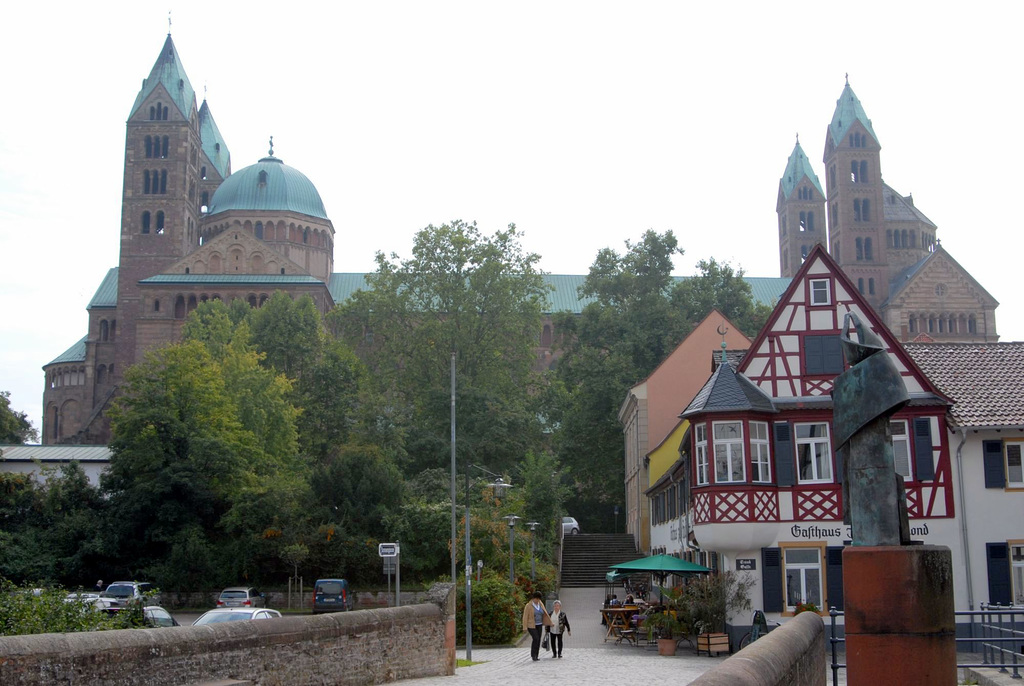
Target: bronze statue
(865, 396)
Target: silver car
(235, 614)
(570, 526)
(241, 596)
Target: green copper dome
(270, 184)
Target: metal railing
(997, 629)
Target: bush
(496, 613)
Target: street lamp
(499, 487)
(511, 546)
(533, 555)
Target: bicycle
(759, 626)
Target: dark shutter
(771, 579)
(839, 466)
(834, 576)
(992, 453)
(785, 471)
(714, 562)
(998, 555)
(924, 465)
(814, 362)
(832, 354)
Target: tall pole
(453, 469)
(511, 552)
(533, 554)
(469, 579)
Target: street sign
(390, 565)
(748, 564)
(387, 549)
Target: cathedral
(883, 242)
(191, 231)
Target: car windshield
(119, 590)
(218, 617)
(567, 520)
(329, 588)
(233, 594)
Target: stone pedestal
(899, 615)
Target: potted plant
(670, 625)
(711, 599)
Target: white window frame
(701, 434)
(802, 572)
(760, 453)
(1017, 570)
(812, 443)
(821, 292)
(1013, 458)
(729, 452)
(901, 448)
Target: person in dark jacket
(559, 626)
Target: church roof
(727, 391)
(168, 71)
(231, 279)
(213, 143)
(75, 353)
(848, 110)
(106, 294)
(899, 208)
(983, 380)
(797, 168)
(268, 185)
(903, 278)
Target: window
(729, 459)
(1014, 469)
(1017, 567)
(823, 355)
(860, 249)
(865, 210)
(901, 447)
(760, 458)
(869, 253)
(871, 286)
(856, 209)
(813, 453)
(820, 294)
(803, 576)
(145, 222)
(701, 434)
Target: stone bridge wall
(362, 647)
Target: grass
(467, 663)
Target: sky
(584, 123)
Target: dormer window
(263, 178)
(820, 292)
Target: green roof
(268, 185)
(848, 110)
(232, 279)
(797, 168)
(106, 294)
(168, 71)
(213, 143)
(75, 353)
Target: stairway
(585, 557)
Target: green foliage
(289, 333)
(717, 286)
(357, 488)
(14, 426)
(28, 610)
(710, 599)
(497, 612)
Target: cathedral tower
(800, 207)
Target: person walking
(559, 625)
(535, 618)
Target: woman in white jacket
(559, 625)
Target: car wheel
(574, 532)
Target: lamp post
(511, 546)
(499, 487)
(533, 555)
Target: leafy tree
(357, 488)
(329, 394)
(15, 426)
(717, 286)
(288, 332)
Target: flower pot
(713, 643)
(666, 646)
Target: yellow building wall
(665, 455)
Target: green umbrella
(662, 564)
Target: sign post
(391, 554)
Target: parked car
(119, 593)
(234, 614)
(241, 596)
(331, 595)
(89, 599)
(570, 526)
(157, 617)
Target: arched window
(865, 212)
(160, 221)
(152, 112)
(145, 222)
(305, 236)
(204, 202)
(179, 307)
(810, 221)
(931, 323)
(868, 251)
(803, 221)
(147, 186)
(192, 304)
(912, 324)
(81, 376)
(860, 286)
(252, 301)
(856, 209)
(871, 285)
(263, 178)
(55, 420)
(163, 181)
(972, 325)
(890, 240)
(854, 170)
(860, 249)
(832, 176)
(913, 238)
(163, 112)
(104, 330)
(163, 151)
(863, 175)
(258, 230)
(263, 299)
(202, 173)
(156, 305)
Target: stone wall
(363, 647)
(362, 600)
(791, 655)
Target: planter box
(712, 643)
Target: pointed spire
(797, 167)
(848, 110)
(214, 147)
(168, 72)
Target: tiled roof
(75, 353)
(727, 391)
(985, 380)
(898, 208)
(56, 453)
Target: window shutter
(998, 555)
(771, 579)
(785, 469)
(992, 453)
(834, 576)
(832, 354)
(924, 465)
(814, 363)
(839, 466)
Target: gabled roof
(75, 353)
(848, 110)
(903, 279)
(106, 294)
(727, 391)
(214, 147)
(899, 208)
(983, 380)
(168, 72)
(797, 167)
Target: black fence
(995, 632)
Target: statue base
(899, 615)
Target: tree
(717, 286)
(288, 332)
(15, 426)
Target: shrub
(496, 613)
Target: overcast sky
(584, 123)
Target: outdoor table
(617, 618)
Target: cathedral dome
(270, 184)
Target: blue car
(331, 595)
